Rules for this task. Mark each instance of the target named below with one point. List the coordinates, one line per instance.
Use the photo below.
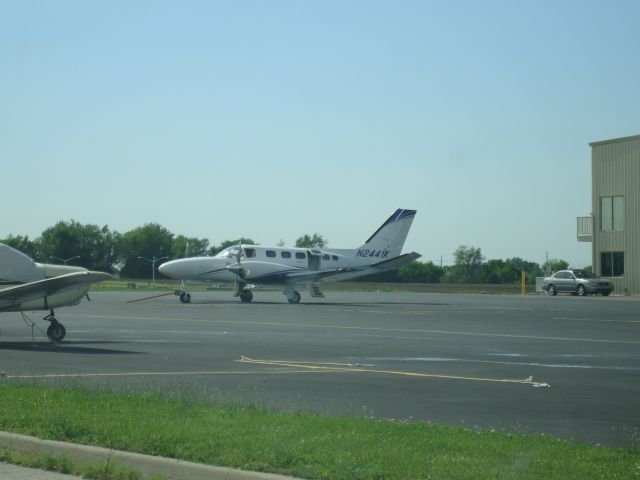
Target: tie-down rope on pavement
(356, 367)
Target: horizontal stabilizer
(397, 262)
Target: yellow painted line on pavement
(375, 329)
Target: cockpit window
(229, 252)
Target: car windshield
(583, 274)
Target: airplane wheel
(56, 331)
(295, 298)
(185, 297)
(246, 296)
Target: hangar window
(271, 253)
(612, 214)
(612, 264)
(285, 254)
(300, 255)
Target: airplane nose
(168, 269)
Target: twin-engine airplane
(29, 286)
(255, 264)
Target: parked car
(576, 282)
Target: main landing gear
(293, 296)
(246, 295)
(56, 331)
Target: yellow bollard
(524, 282)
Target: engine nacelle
(264, 272)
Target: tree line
(129, 254)
(133, 253)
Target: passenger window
(250, 252)
(326, 257)
(334, 257)
(271, 253)
(300, 255)
(285, 254)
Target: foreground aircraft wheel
(56, 331)
(295, 298)
(185, 297)
(246, 296)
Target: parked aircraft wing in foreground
(29, 286)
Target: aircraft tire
(295, 298)
(185, 297)
(56, 331)
(246, 296)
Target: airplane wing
(16, 295)
(336, 274)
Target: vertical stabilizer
(16, 267)
(388, 240)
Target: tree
(189, 247)
(23, 244)
(467, 268)
(149, 241)
(419, 272)
(315, 240)
(554, 265)
(89, 246)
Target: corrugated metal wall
(616, 171)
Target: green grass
(106, 470)
(304, 445)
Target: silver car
(576, 282)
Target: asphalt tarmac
(463, 360)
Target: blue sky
(274, 119)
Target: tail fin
(388, 240)
(16, 267)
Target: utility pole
(153, 268)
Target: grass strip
(305, 445)
(106, 470)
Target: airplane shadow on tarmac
(66, 347)
(315, 304)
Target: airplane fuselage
(264, 264)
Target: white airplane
(255, 264)
(29, 286)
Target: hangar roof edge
(614, 140)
